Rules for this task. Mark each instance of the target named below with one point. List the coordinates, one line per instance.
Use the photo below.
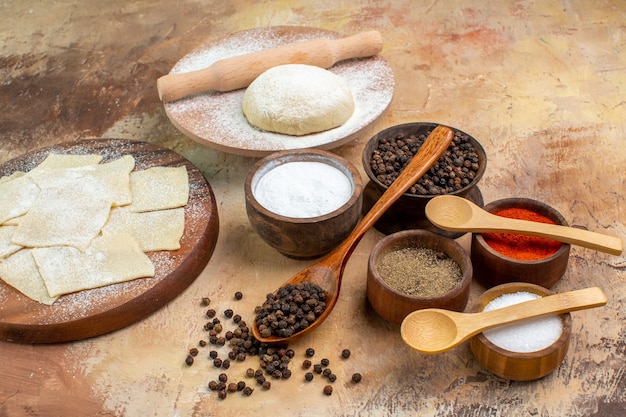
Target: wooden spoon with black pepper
(328, 272)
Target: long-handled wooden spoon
(239, 71)
(435, 330)
(460, 215)
(328, 272)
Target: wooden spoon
(327, 273)
(460, 215)
(436, 330)
(239, 71)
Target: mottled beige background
(541, 84)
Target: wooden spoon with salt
(328, 272)
(435, 330)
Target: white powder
(526, 336)
(303, 189)
(216, 119)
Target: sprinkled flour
(303, 189)
(216, 118)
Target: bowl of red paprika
(500, 258)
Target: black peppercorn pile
(455, 169)
(274, 361)
(292, 309)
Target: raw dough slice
(14, 221)
(16, 197)
(6, 246)
(71, 216)
(14, 175)
(54, 160)
(109, 260)
(297, 99)
(159, 188)
(153, 230)
(21, 272)
(109, 179)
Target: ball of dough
(297, 99)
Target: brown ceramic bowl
(394, 305)
(408, 211)
(493, 268)
(519, 366)
(310, 236)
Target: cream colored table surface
(542, 85)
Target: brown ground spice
(420, 272)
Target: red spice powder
(526, 248)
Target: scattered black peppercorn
(210, 313)
(356, 377)
(202, 343)
(266, 385)
(228, 313)
(250, 373)
(328, 390)
(226, 363)
(217, 362)
(317, 368)
(345, 353)
(193, 352)
(310, 352)
(222, 394)
(325, 362)
(222, 377)
(236, 318)
(238, 295)
(232, 387)
(306, 364)
(247, 391)
(213, 354)
(212, 385)
(241, 385)
(308, 376)
(189, 360)
(332, 377)
(205, 301)
(326, 372)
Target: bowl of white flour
(303, 203)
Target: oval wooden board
(216, 120)
(102, 310)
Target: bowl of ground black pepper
(303, 202)
(500, 258)
(457, 172)
(417, 269)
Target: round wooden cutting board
(102, 310)
(215, 119)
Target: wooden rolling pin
(239, 71)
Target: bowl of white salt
(303, 202)
(526, 350)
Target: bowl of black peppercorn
(457, 172)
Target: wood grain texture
(94, 312)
